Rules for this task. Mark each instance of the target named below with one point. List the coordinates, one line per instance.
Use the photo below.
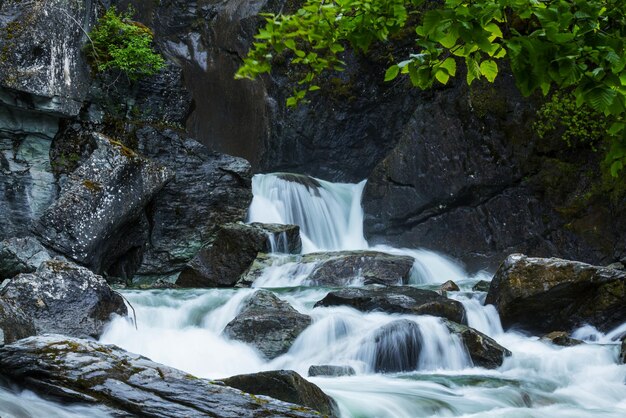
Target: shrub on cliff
(119, 43)
(575, 46)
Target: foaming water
(24, 404)
(329, 214)
(407, 366)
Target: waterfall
(329, 214)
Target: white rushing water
(182, 328)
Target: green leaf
(392, 72)
(489, 69)
(450, 65)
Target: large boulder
(209, 189)
(64, 298)
(482, 349)
(341, 268)
(544, 294)
(267, 323)
(14, 324)
(287, 386)
(72, 369)
(235, 248)
(398, 299)
(98, 220)
(21, 255)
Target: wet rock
(233, 251)
(64, 298)
(482, 349)
(617, 266)
(448, 286)
(71, 369)
(341, 268)
(622, 352)
(561, 338)
(481, 286)
(21, 255)
(285, 385)
(395, 347)
(97, 220)
(41, 64)
(14, 323)
(329, 370)
(209, 189)
(398, 299)
(267, 323)
(543, 294)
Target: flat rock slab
(544, 294)
(78, 370)
(342, 268)
(101, 203)
(269, 324)
(64, 298)
(234, 250)
(397, 299)
(287, 386)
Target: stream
(182, 328)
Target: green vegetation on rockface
(119, 43)
(562, 45)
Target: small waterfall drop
(329, 214)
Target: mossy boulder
(544, 294)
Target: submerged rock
(71, 369)
(96, 220)
(14, 324)
(267, 323)
(394, 347)
(342, 268)
(397, 299)
(285, 385)
(481, 286)
(233, 251)
(329, 370)
(21, 255)
(622, 352)
(482, 349)
(561, 338)
(543, 294)
(209, 189)
(64, 298)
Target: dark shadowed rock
(21, 255)
(329, 370)
(267, 323)
(481, 286)
(561, 338)
(208, 190)
(398, 299)
(482, 349)
(395, 347)
(76, 370)
(622, 352)
(543, 294)
(64, 298)
(97, 219)
(341, 268)
(287, 386)
(233, 251)
(14, 324)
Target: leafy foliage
(569, 45)
(119, 43)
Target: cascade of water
(329, 214)
(482, 317)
